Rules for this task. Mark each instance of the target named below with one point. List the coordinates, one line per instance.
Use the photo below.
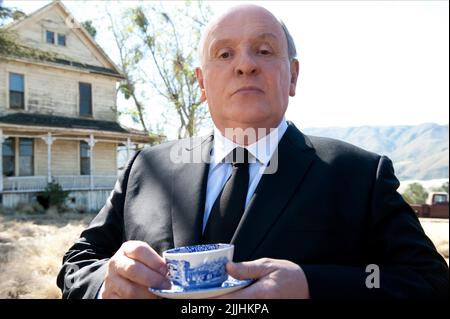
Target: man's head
(247, 72)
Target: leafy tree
(415, 193)
(129, 57)
(89, 28)
(158, 53)
(442, 188)
(9, 46)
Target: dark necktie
(229, 206)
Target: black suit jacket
(331, 207)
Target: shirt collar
(262, 149)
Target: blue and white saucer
(178, 292)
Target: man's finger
(248, 269)
(127, 289)
(249, 292)
(142, 252)
(139, 273)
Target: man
(314, 214)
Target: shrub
(55, 195)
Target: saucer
(178, 292)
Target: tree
(89, 28)
(158, 52)
(129, 57)
(415, 193)
(442, 188)
(9, 45)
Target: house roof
(110, 68)
(89, 67)
(44, 120)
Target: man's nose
(246, 65)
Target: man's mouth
(248, 89)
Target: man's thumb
(245, 270)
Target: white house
(58, 118)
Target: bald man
(312, 217)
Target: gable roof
(84, 36)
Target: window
(85, 99)
(85, 154)
(61, 39)
(50, 37)
(440, 198)
(25, 154)
(26, 157)
(16, 91)
(8, 157)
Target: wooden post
(49, 141)
(91, 160)
(129, 146)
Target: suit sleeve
(84, 264)
(409, 265)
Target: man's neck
(246, 135)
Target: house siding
(105, 162)
(33, 32)
(66, 158)
(55, 92)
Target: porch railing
(38, 183)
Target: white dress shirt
(260, 154)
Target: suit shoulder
(167, 146)
(336, 149)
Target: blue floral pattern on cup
(196, 248)
(209, 274)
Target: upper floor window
(85, 152)
(61, 39)
(85, 90)
(16, 91)
(50, 37)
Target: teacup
(199, 266)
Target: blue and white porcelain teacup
(199, 266)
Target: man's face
(246, 74)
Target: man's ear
(295, 68)
(199, 75)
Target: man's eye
(264, 52)
(225, 55)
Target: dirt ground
(31, 250)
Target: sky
(371, 63)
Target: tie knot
(239, 157)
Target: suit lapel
(189, 192)
(295, 155)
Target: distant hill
(419, 152)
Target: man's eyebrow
(220, 42)
(227, 41)
(267, 35)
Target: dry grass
(437, 230)
(31, 250)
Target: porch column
(2, 139)
(49, 141)
(91, 160)
(129, 146)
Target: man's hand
(132, 270)
(275, 278)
